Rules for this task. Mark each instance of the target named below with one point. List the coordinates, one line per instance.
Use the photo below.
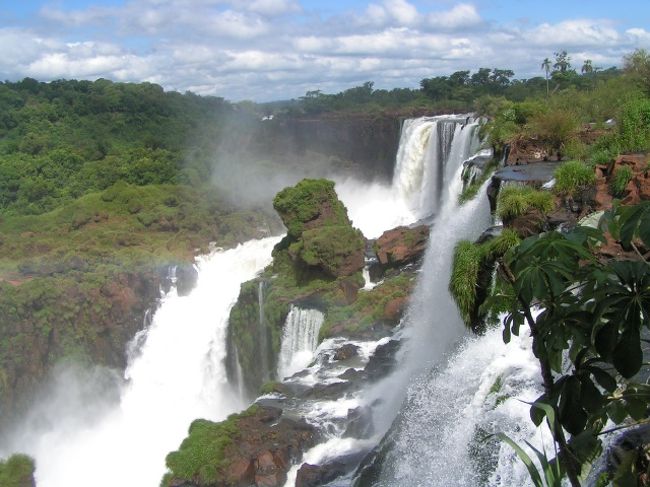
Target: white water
(431, 148)
(448, 413)
(299, 340)
(421, 168)
(178, 375)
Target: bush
(634, 127)
(573, 176)
(464, 277)
(621, 177)
(556, 127)
(514, 201)
(17, 471)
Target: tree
(546, 66)
(637, 65)
(562, 62)
(587, 67)
(587, 335)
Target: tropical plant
(546, 66)
(587, 334)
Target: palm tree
(546, 66)
(587, 67)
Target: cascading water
(177, 376)
(299, 340)
(441, 435)
(427, 159)
(421, 168)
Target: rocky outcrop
(48, 318)
(317, 265)
(254, 448)
(401, 245)
(319, 232)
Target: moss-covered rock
(309, 204)
(212, 455)
(318, 264)
(17, 471)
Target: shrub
(621, 177)
(634, 127)
(573, 176)
(556, 127)
(17, 471)
(514, 201)
(464, 277)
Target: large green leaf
(628, 356)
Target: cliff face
(359, 144)
(50, 318)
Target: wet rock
(382, 361)
(316, 475)
(401, 245)
(327, 391)
(561, 218)
(394, 309)
(346, 352)
(350, 290)
(186, 277)
(359, 423)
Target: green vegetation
(329, 247)
(464, 277)
(369, 309)
(202, 454)
(300, 204)
(469, 262)
(572, 177)
(620, 178)
(17, 471)
(597, 331)
(515, 201)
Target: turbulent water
(176, 376)
(299, 340)
(440, 435)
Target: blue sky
(271, 49)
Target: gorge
(409, 400)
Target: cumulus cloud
(270, 49)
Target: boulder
(401, 245)
(346, 352)
(317, 475)
(258, 448)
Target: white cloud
(264, 49)
(273, 7)
(576, 33)
(462, 15)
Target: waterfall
(430, 157)
(263, 334)
(430, 150)
(177, 375)
(299, 340)
(449, 414)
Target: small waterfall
(263, 336)
(299, 340)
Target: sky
(266, 50)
